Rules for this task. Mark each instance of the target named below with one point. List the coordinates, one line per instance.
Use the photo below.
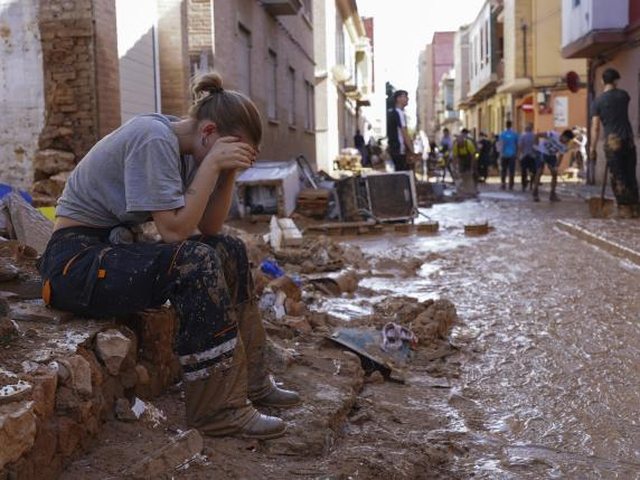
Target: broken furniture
(268, 188)
(387, 197)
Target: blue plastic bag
(6, 189)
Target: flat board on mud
(365, 342)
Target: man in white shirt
(400, 144)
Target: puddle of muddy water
(549, 338)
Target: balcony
(282, 7)
(592, 26)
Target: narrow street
(548, 382)
(541, 383)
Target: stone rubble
(85, 372)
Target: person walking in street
(495, 152)
(446, 149)
(400, 144)
(508, 154)
(527, 156)
(179, 173)
(484, 157)
(359, 144)
(551, 147)
(610, 110)
(464, 155)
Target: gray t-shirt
(135, 170)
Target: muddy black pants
(527, 170)
(622, 165)
(203, 277)
(507, 166)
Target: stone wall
(81, 87)
(88, 372)
(200, 30)
(22, 97)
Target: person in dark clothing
(484, 157)
(400, 144)
(495, 152)
(527, 154)
(358, 142)
(610, 110)
(446, 148)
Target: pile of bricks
(313, 202)
(55, 398)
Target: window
(309, 120)
(487, 32)
(482, 46)
(244, 60)
(340, 51)
(291, 80)
(272, 86)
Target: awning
(525, 104)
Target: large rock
(30, 227)
(52, 186)
(17, 431)
(79, 374)
(112, 347)
(8, 330)
(49, 162)
(8, 271)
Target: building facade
(344, 76)
(263, 49)
(435, 62)
(484, 108)
(90, 65)
(460, 61)
(517, 72)
(605, 35)
(60, 90)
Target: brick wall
(174, 56)
(291, 38)
(66, 29)
(200, 29)
(107, 66)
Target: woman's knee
(196, 258)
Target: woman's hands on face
(229, 153)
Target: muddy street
(536, 380)
(548, 378)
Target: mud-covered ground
(538, 378)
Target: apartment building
(517, 72)
(535, 73)
(435, 61)
(484, 108)
(605, 35)
(460, 61)
(89, 65)
(344, 76)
